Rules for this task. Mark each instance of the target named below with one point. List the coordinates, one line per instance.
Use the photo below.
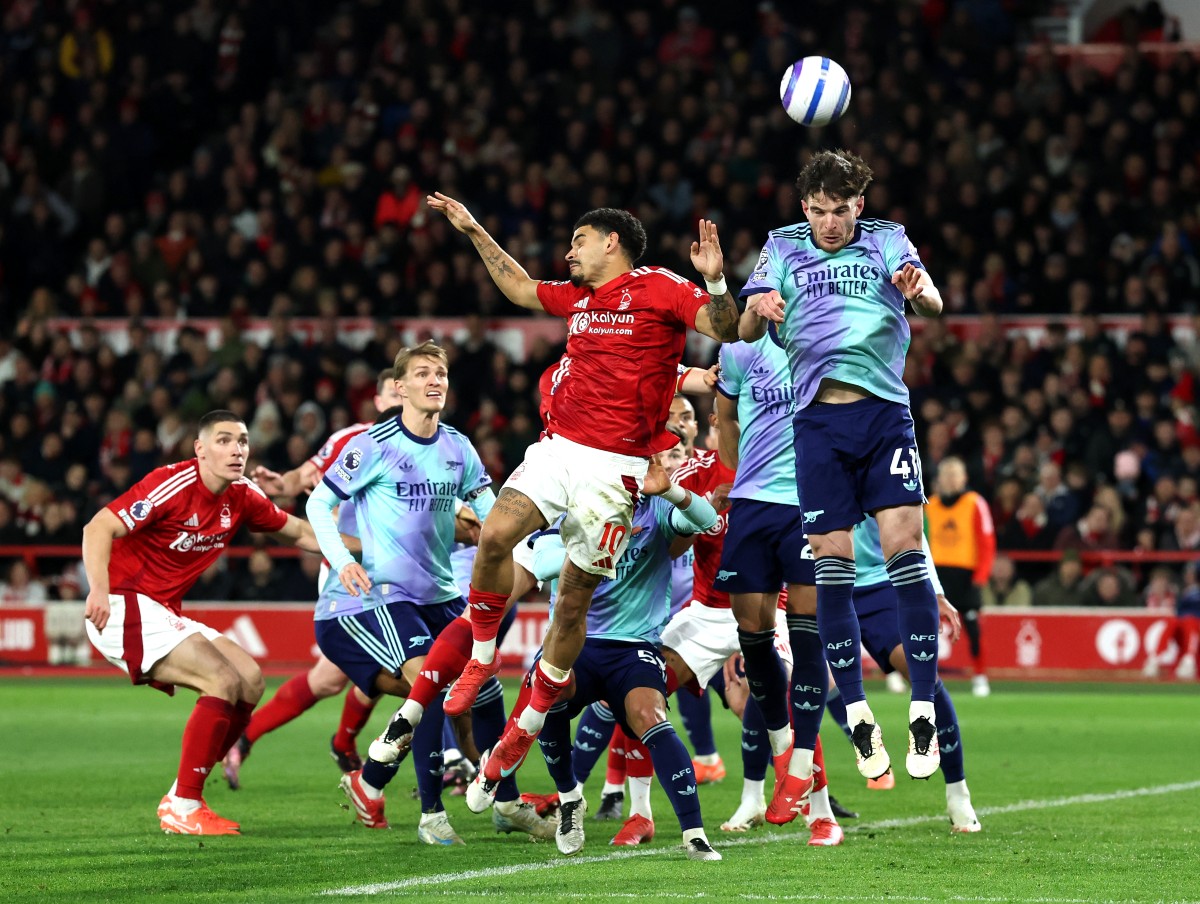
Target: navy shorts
(384, 638)
(765, 547)
(609, 669)
(854, 459)
(878, 622)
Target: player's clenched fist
(96, 609)
(768, 305)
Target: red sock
(202, 738)
(444, 661)
(487, 611)
(545, 689)
(820, 780)
(243, 713)
(638, 763)
(672, 681)
(355, 714)
(615, 773)
(293, 698)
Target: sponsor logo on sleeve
(124, 516)
(140, 510)
(341, 472)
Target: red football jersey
(702, 475)
(624, 341)
(329, 452)
(177, 528)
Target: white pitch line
(493, 872)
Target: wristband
(716, 288)
(675, 495)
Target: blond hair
(426, 349)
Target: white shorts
(596, 489)
(141, 632)
(705, 637)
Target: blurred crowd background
(232, 160)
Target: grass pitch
(1086, 793)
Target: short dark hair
(385, 378)
(628, 228)
(220, 416)
(836, 174)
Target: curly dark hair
(838, 174)
(628, 228)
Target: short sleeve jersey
(756, 376)
(178, 527)
(403, 488)
(703, 474)
(624, 342)
(843, 319)
(333, 446)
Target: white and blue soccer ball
(815, 91)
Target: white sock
(781, 739)
(412, 711)
(752, 792)
(507, 807)
(859, 712)
(801, 764)
(957, 791)
(531, 720)
(818, 806)
(370, 790)
(639, 796)
(708, 759)
(483, 650)
(918, 708)
(184, 806)
(427, 818)
(689, 834)
(566, 797)
(450, 754)
(174, 786)
(610, 788)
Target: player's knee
(253, 685)
(643, 714)
(224, 682)
(496, 542)
(325, 684)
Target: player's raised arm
(509, 276)
(719, 318)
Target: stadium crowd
(155, 164)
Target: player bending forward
(142, 552)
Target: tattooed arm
(509, 276)
(718, 318)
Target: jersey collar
(420, 440)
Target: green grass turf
(85, 762)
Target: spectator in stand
(1091, 532)
(20, 587)
(1109, 586)
(1064, 587)
(1005, 588)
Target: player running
(626, 333)
(141, 553)
(837, 285)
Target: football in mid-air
(815, 91)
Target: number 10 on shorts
(610, 540)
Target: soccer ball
(815, 91)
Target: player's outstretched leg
(674, 771)
(182, 811)
(343, 746)
(958, 796)
(756, 754)
(696, 713)
(444, 661)
(809, 679)
(840, 636)
(555, 743)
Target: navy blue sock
(765, 675)
(917, 614)
(487, 722)
(555, 741)
(427, 756)
(756, 746)
(837, 711)
(696, 713)
(949, 737)
(592, 735)
(377, 774)
(809, 678)
(673, 767)
(838, 624)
